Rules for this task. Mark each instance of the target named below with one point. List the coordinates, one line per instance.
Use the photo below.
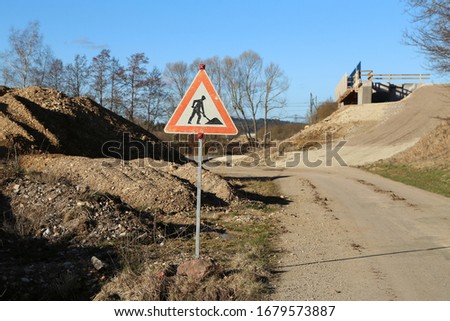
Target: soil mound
(42, 119)
(61, 241)
(140, 185)
(57, 210)
(213, 184)
(432, 150)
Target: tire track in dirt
(319, 255)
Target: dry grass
(431, 151)
(239, 239)
(9, 169)
(158, 281)
(130, 286)
(279, 132)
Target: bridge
(365, 86)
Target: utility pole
(312, 106)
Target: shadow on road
(363, 257)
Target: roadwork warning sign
(201, 110)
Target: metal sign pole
(199, 195)
(201, 99)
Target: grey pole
(199, 196)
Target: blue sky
(314, 42)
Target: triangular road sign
(201, 110)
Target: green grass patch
(263, 187)
(436, 180)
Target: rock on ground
(198, 268)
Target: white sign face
(201, 110)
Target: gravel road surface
(352, 235)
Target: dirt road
(352, 235)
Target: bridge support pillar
(365, 93)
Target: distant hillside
(36, 119)
(260, 123)
(278, 129)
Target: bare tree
(55, 76)
(99, 69)
(178, 77)
(40, 70)
(136, 74)
(7, 76)
(154, 97)
(251, 66)
(214, 67)
(77, 76)
(431, 33)
(117, 77)
(233, 80)
(275, 86)
(24, 54)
